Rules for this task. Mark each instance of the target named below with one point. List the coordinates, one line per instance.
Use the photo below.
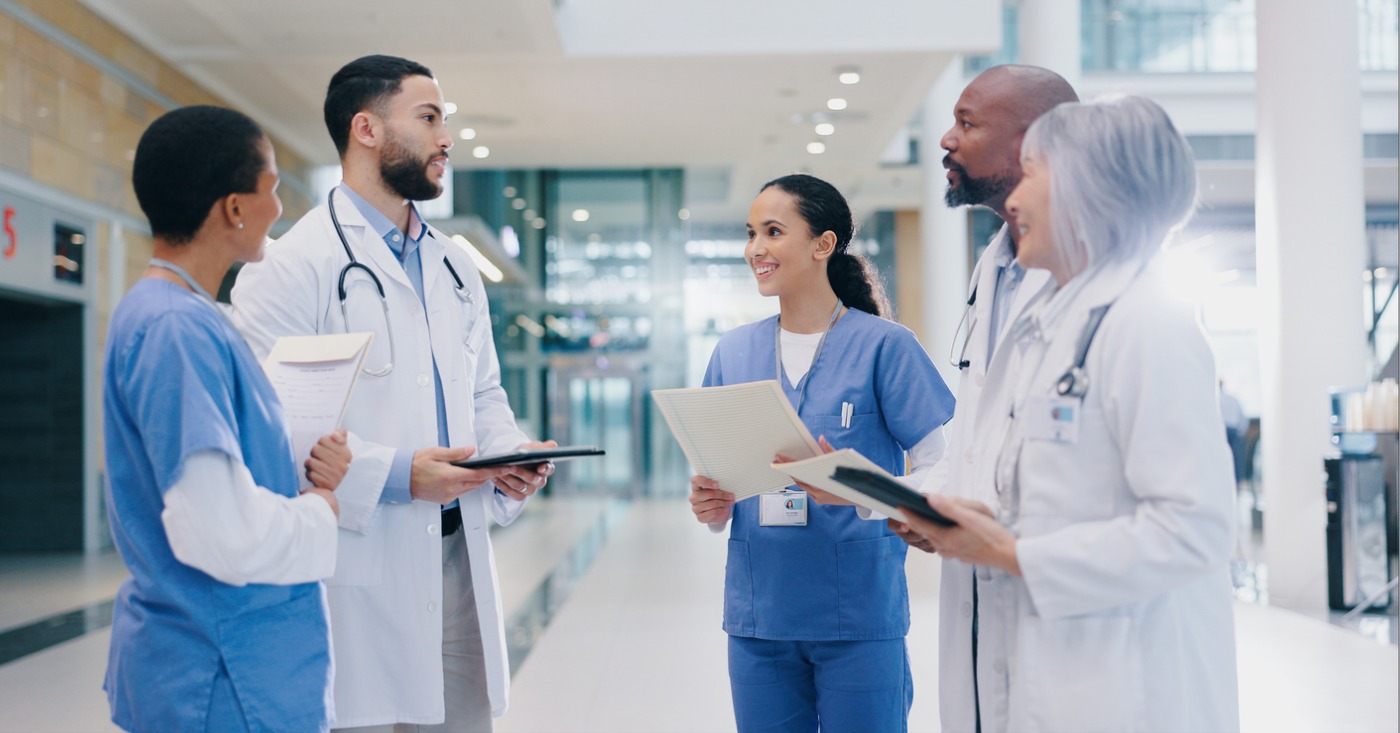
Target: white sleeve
(923, 457)
(219, 521)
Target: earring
(240, 225)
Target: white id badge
(1052, 418)
(783, 509)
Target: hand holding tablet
(531, 457)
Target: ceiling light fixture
(480, 151)
(487, 268)
(451, 108)
(816, 148)
(836, 104)
(849, 76)
(467, 133)
(579, 215)
(825, 128)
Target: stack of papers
(313, 376)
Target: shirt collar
(385, 228)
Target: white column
(946, 255)
(1310, 230)
(1048, 36)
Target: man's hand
(434, 478)
(520, 482)
(978, 539)
(710, 503)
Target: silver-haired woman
(1103, 594)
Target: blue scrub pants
(832, 686)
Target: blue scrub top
(840, 577)
(177, 379)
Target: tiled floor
(637, 647)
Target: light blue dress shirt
(408, 253)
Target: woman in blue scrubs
(222, 625)
(817, 613)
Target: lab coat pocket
(1080, 673)
(738, 589)
(873, 595)
(359, 559)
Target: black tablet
(890, 492)
(528, 457)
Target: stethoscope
(354, 264)
(969, 318)
(1075, 382)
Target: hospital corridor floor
(614, 612)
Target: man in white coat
(415, 606)
(984, 165)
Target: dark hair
(825, 210)
(364, 84)
(187, 160)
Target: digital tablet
(890, 492)
(528, 457)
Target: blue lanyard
(778, 354)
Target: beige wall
(68, 124)
(908, 271)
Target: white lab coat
(386, 595)
(1122, 618)
(953, 475)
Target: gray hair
(1121, 178)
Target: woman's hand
(819, 496)
(710, 503)
(329, 461)
(979, 539)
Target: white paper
(313, 376)
(817, 472)
(731, 433)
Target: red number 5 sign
(10, 233)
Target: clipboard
(313, 377)
(533, 456)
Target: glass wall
(1192, 36)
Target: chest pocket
(1077, 481)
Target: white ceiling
(733, 87)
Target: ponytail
(856, 283)
(852, 276)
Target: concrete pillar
(946, 257)
(1048, 35)
(1310, 230)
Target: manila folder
(731, 433)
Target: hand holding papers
(313, 376)
(731, 433)
(853, 477)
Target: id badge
(782, 509)
(1052, 418)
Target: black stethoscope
(969, 318)
(1075, 382)
(355, 264)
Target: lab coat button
(967, 610)
(432, 529)
(432, 607)
(422, 380)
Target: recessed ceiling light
(480, 151)
(816, 148)
(467, 133)
(579, 215)
(849, 77)
(836, 104)
(452, 108)
(683, 214)
(825, 128)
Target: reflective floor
(615, 612)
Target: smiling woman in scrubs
(222, 626)
(815, 603)
(1103, 587)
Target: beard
(406, 174)
(975, 191)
